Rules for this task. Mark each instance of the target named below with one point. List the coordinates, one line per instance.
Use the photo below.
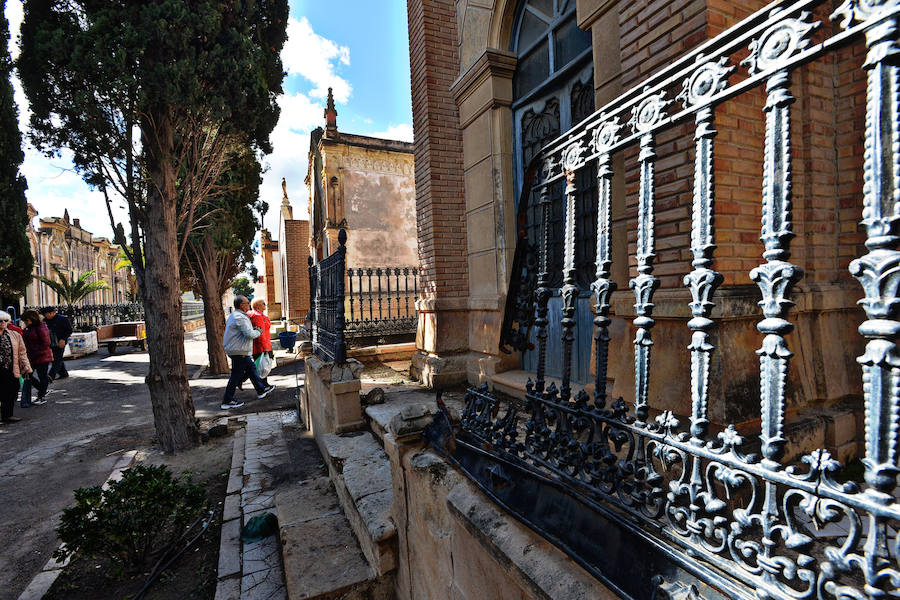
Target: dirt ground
(102, 410)
(194, 574)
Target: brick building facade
(470, 113)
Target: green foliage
(133, 520)
(94, 70)
(16, 261)
(73, 289)
(221, 243)
(241, 287)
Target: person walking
(13, 364)
(263, 343)
(37, 342)
(60, 330)
(238, 342)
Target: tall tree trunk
(170, 394)
(214, 315)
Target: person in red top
(37, 342)
(259, 319)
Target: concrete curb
(43, 581)
(199, 372)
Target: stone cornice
(492, 63)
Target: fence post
(340, 348)
(312, 299)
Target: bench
(132, 332)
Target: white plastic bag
(264, 365)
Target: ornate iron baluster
(646, 114)
(542, 293)
(776, 277)
(387, 277)
(378, 278)
(709, 78)
(604, 138)
(369, 275)
(350, 292)
(397, 287)
(879, 273)
(569, 291)
(406, 289)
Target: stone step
(321, 555)
(361, 473)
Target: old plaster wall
(381, 218)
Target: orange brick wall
(440, 206)
(295, 247)
(827, 128)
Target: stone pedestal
(332, 396)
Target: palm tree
(73, 289)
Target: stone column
(441, 340)
(484, 94)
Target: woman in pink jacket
(13, 364)
(37, 341)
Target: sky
(357, 47)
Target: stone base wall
(455, 543)
(330, 402)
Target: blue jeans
(242, 367)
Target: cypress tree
(16, 262)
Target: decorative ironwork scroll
(722, 512)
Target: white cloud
(402, 132)
(313, 57)
(14, 14)
(290, 140)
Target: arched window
(553, 90)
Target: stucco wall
(380, 209)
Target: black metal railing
(326, 285)
(629, 492)
(91, 316)
(381, 302)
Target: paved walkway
(253, 571)
(100, 412)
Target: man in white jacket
(238, 342)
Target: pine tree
(16, 262)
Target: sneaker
(268, 390)
(233, 404)
(39, 401)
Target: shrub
(133, 520)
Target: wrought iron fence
(381, 302)
(95, 315)
(326, 285)
(723, 520)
